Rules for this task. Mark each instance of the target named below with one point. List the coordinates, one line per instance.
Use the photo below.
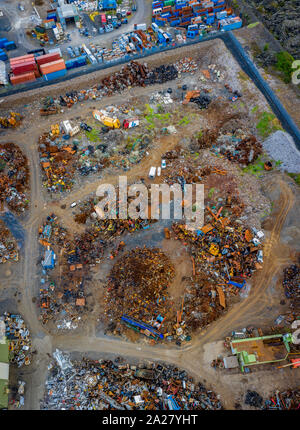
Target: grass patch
(254, 109)
(211, 192)
(284, 65)
(267, 124)
(296, 177)
(256, 168)
(184, 121)
(93, 135)
(253, 24)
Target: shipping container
(9, 46)
(25, 77)
(24, 57)
(52, 67)
(2, 42)
(55, 75)
(19, 69)
(3, 56)
(71, 64)
(81, 61)
(48, 58)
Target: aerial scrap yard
(148, 314)
(115, 384)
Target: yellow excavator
(13, 120)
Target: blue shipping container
(70, 64)
(80, 61)
(9, 46)
(3, 56)
(2, 41)
(55, 75)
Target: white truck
(152, 172)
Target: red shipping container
(25, 77)
(48, 58)
(52, 67)
(19, 69)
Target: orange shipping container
(26, 77)
(55, 66)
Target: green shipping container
(169, 3)
(40, 29)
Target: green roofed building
(4, 367)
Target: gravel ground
(281, 146)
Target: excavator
(13, 120)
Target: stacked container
(24, 69)
(52, 66)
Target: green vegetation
(253, 24)
(284, 65)
(184, 121)
(266, 47)
(254, 109)
(211, 192)
(296, 177)
(152, 118)
(267, 124)
(92, 135)
(255, 168)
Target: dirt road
(26, 278)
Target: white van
(152, 172)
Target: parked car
(163, 164)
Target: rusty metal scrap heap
(284, 400)
(132, 74)
(14, 177)
(63, 293)
(244, 152)
(58, 163)
(138, 286)
(222, 252)
(291, 285)
(8, 245)
(107, 385)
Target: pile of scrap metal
(138, 288)
(284, 400)
(49, 107)
(291, 285)
(14, 177)
(64, 294)
(57, 161)
(11, 121)
(19, 339)
(242, 151)
(8, 245)
(106, 385)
